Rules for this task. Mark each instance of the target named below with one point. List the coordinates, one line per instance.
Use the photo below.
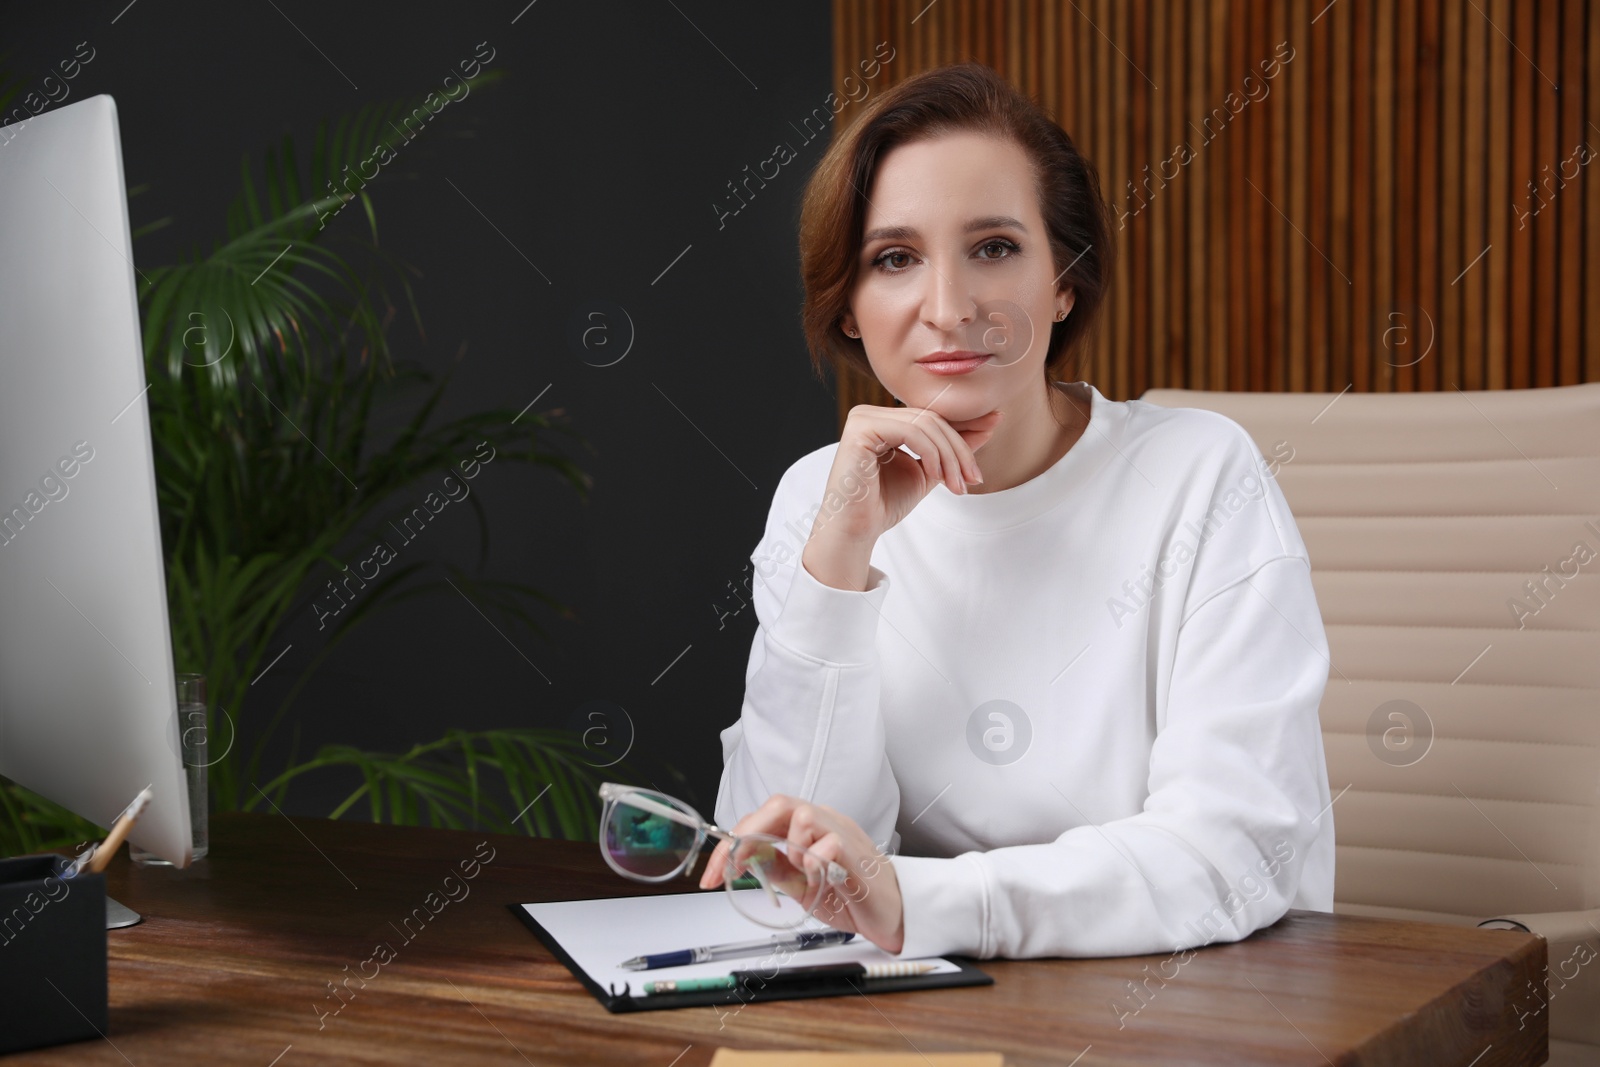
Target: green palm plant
(282, 425)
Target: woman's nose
(950, 303)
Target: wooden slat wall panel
(1340, 249)
(1569, 341)
(1591, 218)
(1449, 224)
(1497, 296)
(1219, 241)
(1546, 156)
(1244, 200)
(1402, 207)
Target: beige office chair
(1455, 550)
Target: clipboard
(589, 936)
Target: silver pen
(708, 953)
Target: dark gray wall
(599, 158)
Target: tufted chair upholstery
(1455, 551)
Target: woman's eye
(1010, 247)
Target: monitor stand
(120, 915)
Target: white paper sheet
(600, 934)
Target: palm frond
(541, 783)
(29, 823)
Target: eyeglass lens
(790, 881)
(645, 843)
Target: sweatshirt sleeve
(809, 726)
(1237, 786)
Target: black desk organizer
(627, 999)
(52, 953)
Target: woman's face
(955, 258)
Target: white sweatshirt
(1081, 713)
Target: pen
(94, 861)
(791, 976)
(800, 942)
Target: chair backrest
(1455, 551)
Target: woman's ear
(1064, 306)
(847, 323)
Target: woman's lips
(954, 366)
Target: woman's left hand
(869, 900)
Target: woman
(1063, 664)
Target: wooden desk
(234, 961)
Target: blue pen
(798, 943)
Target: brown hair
(964, 96)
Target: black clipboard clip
(624, 1001)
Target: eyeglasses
(650, 837)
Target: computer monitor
(88, 706)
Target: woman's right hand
(874, 484)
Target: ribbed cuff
(836, 626)
(944, 904)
